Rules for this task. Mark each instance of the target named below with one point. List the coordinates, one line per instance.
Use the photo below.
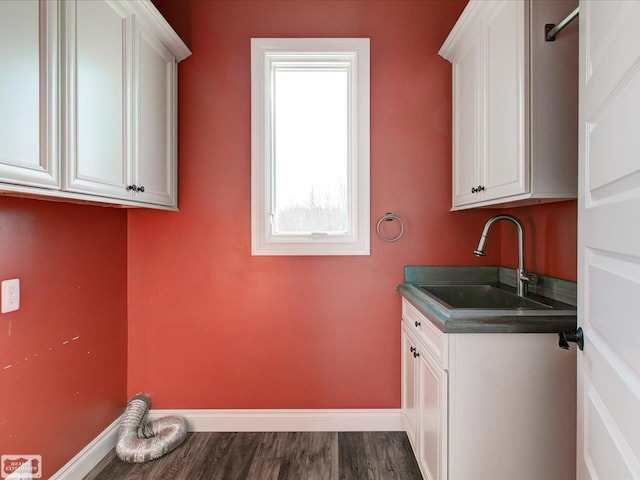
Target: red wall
(551, 239)
(212, 327)
(63, 354)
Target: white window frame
(265, 53)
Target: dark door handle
(576, 337)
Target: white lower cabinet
(410, 387)
(487, 406)
(432, 424)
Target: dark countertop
(557, 293)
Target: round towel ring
(388, 217)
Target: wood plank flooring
(274, 456)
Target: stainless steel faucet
(522, 279)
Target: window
(310, 146)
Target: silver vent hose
(141, 442)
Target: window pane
(310, 151)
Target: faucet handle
(523, 276)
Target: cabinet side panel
(512, 407)
(554, 101)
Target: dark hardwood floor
(274, 456)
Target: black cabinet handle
(416, 354)
(480, 188)
(132, 187)
(473, 190)
(417, 324)
(141, 188)
(412, 349)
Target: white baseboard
(200, 420)
(362, 420)
(90, 455)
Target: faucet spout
(522, 279)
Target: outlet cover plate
(10, 295)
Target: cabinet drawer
(426, 332)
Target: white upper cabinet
(28, 93)
(99, 79)
(466, 141)
(514, 104)
(505, 162)
(109, 77)
(155, 174)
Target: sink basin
(480, 297)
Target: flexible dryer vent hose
(141, 442)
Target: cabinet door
(28, 93)
(467, 84)
(506, 168)
(98, 83)
(409, 387)
(156, 87)
(432, 430)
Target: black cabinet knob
(416, 354)
(132, 187)
(141, 188)
(473, 190)
(480, 188)
(412, 349)
(417, 324)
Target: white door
(99, 83)
(609, 241)
(409, 390)
(155, 164)
(433, 417)
(29, 93)
(506, 161)
(466, 115)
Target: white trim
(351, 420)
(90, 455)
(25, 191)
(153, 21)
(201, 420)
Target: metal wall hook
(576, 337)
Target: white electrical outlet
(10, 295)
